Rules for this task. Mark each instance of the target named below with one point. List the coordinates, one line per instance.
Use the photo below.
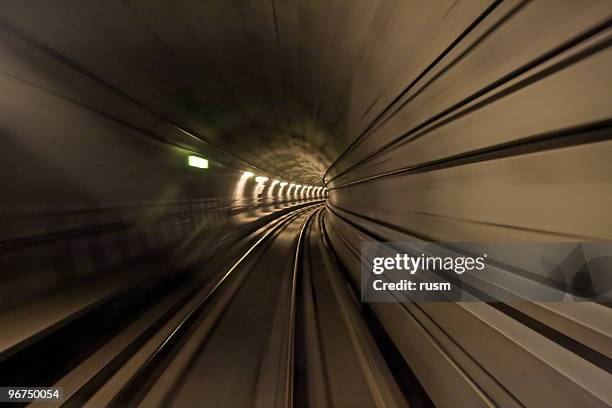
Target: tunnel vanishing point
(191, 193)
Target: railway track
(275, 325)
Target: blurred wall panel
(504, 138)
(83, 193)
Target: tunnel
(313, 203)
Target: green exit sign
(195, 161)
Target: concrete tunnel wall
(503, 138)
(82, 193)
(490, 146)
(474, 159)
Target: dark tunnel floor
(272, 325)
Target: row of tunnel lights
(261, 180)
(195, 161)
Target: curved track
(271, 325)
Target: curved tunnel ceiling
(280, 86)
(270, 82)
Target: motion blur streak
(128, 277)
